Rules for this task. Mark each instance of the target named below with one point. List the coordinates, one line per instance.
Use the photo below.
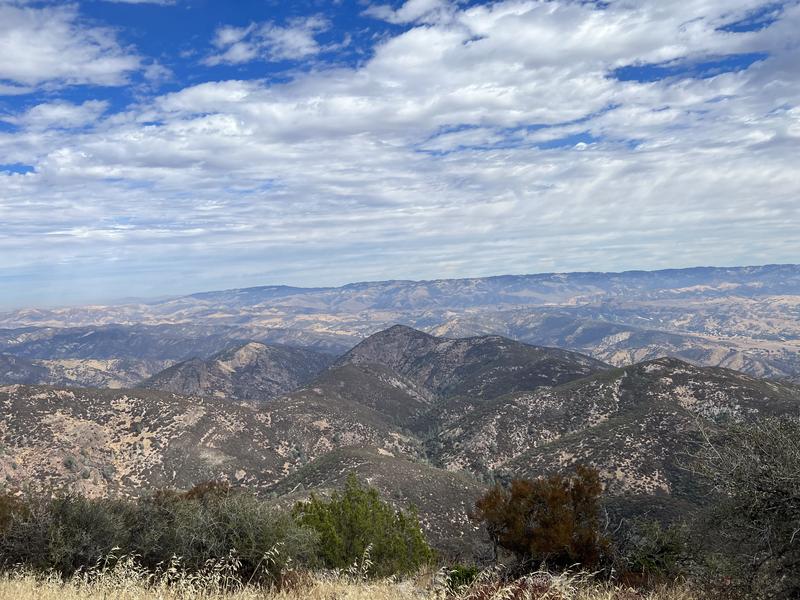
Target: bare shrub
(553, 520)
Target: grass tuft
(127, 580)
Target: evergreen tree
(356, 519)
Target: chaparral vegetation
(549, 535)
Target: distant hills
(111, 373)
(548, 289)
(428, 390)
(745, 318)
(428, 420)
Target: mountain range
(428, 420)
(286, 391)
(745, 318)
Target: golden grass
(428, 586)
(29, 588)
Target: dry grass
(123, 578)
(131, 585)
(29, 588)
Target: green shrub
(10, 508)
(461, 576)
(70, 462)
(208, 527)
(356, 520)
(69, 532)
(65, 533)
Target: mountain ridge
(461, 366)
(741, 317)
(482, 409)
(789, 274)
(252, 372)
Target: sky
(151, 148)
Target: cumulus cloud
(49, 45)
(59, 115)
(268, 41)
(496, 140)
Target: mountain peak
(477, 366)
(402, 330)
(669, 363)
(391, 347)
(250, 372)
(244, 355)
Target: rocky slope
(352, 404)
(102, 442)
(107, 442)
(421, 417)
(637, 425)
(401, 400)
(252, 372)
(110, 442)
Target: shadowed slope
(481, 367)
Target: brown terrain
(286, 391)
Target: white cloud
(59, 115)
(50, 46)
(14, 90)
(156, 72)
(493, 141)
(268, 41)
(412, 11)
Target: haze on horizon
(154, 148)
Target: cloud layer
(49, 46)
(517, 136)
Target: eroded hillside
(426, 419)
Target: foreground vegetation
(210, 524)
(128, 583)
(213, 541)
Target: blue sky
(157, 148)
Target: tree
(754, 475)
(357, 519)
(553, 519)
